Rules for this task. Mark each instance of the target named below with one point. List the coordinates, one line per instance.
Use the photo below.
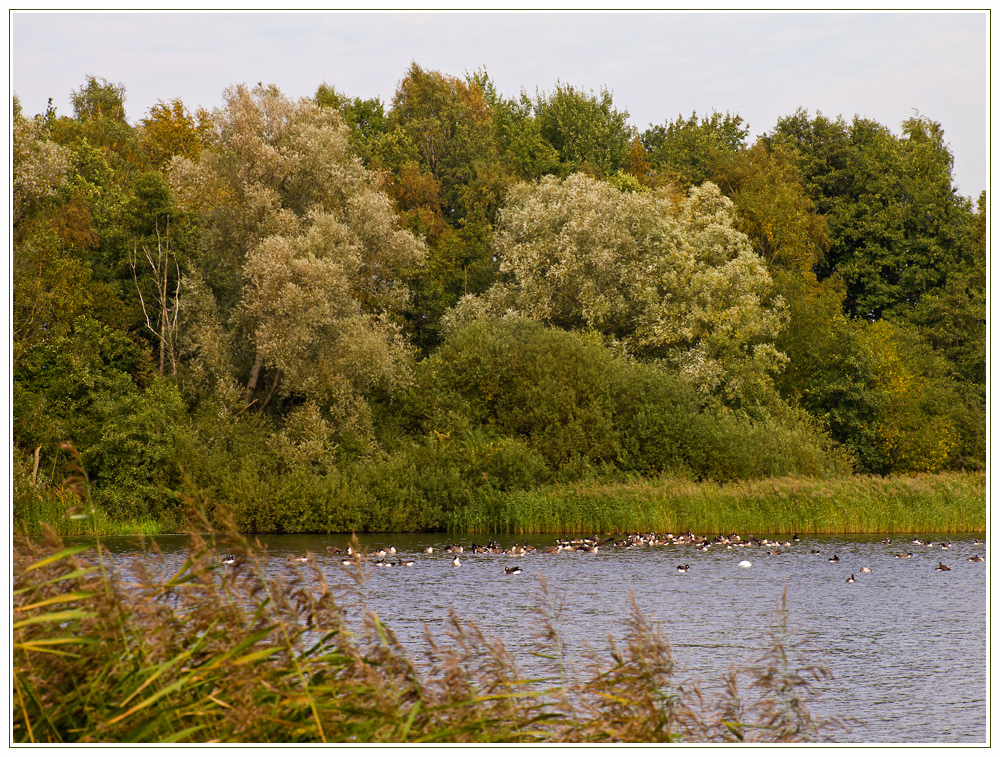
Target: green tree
(897, 225)
(692, 151)
(586, 130)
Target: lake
(906, 643)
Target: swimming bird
(456, 562)
(942, 566)
(428, 550)
(332, 550)
(228, 560)
(300, 558)
(907, 556)
(512, 571)
(456, 548)
(866, 570)
(814, 551)
(683, 568)
(833, 559)
(977, 558)
(746, 564)
(406, 563)
(347, 561)
(851, 579)
(946, 545)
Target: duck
(977, 558)
(833, 559)
(942, 566)
(866, 570)
(512, 571)
(851, 579)
(456, 562)
(683, 568)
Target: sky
(883, 66)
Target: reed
(931, 503)
(213, 653)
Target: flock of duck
(386, 556)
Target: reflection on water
(906, 643)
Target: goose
(228, 560)
(907, 556)
(347, 561)
(302, 558)
(942, 566)
(405, 563)
(833, 559)
(977, 558)
(683, 568)
(456, 562)
(851, 579)
(428, 550)
(746, 564)
(332, 550)
(946, 545)
(456, 548)
(866, 570)
(512, 571)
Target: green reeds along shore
(228, 653)
(938, 503)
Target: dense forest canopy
(336, 313)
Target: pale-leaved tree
(665, 275)
(302, 258)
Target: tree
(169, 129)
(301, 264)
(670, 279)
(586, 130)
(897, 225)
(692, 151)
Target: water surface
(906, 643)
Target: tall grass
(212, 653)
(932, 503)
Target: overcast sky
(658, 65)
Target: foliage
(587, 131)
(669, 279)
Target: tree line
(333, 313)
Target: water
(906, 643)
